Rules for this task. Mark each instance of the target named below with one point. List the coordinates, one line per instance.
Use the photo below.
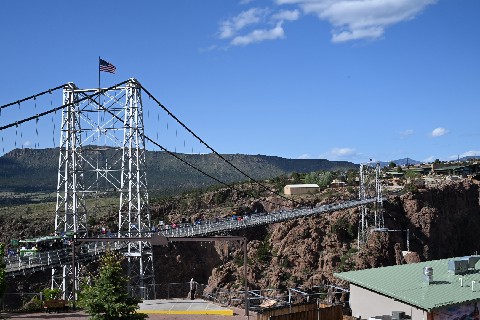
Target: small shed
(291, 189)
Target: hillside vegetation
(32, 170)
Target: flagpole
(99, 77)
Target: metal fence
(16, 264)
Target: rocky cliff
(442, 221)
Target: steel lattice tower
(102, 147)
(134, 213)
(370, 187)
(70, 211)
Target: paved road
(192, 310)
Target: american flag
(107, 66)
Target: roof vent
(428, 273)
(462, 265)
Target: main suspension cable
(232, 187)
(60, 107)
(32, 97)
(215, 152)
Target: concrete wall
(366, 303)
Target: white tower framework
(102, 151)
(370, 187)
(70, 211)
(134, 213)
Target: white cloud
(341, 154)
(305, 156)
(27, 143)
(360, 19)
(406, 133)
(429, 159)
(368, 33)
(259, 35)
(350, 19)
(286, 15)
(438, 132)
(342, 151)
(470, 153)
(230, 27)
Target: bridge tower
(371, 219)
(70, 211)
(102, 148)
(134, 212)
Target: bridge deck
(16, 265)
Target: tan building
(292, 189)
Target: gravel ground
(238, 314)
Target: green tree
(409, 174)
(107, 298)
(351, 176)
(295, 176)
(323, 179)
(51, 294)
(392, 165)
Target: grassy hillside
(32, 170)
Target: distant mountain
(37, 169)
(400, 162)
(470, 158)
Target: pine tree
(107, 298)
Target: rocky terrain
(442, 220)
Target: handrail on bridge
(16, 265)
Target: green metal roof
(449, 168)
(406, 283)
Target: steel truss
(134, 213)
(371, 215)
(102, 150)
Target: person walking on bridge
(193, 289)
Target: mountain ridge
(37, 169)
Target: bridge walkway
(17, 265)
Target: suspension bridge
(95, 119)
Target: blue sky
(338, 79)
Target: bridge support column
(134, 211)
(70, 211)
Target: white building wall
(366, 303)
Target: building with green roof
(432, 290)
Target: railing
(219, 226)
(16, 264)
